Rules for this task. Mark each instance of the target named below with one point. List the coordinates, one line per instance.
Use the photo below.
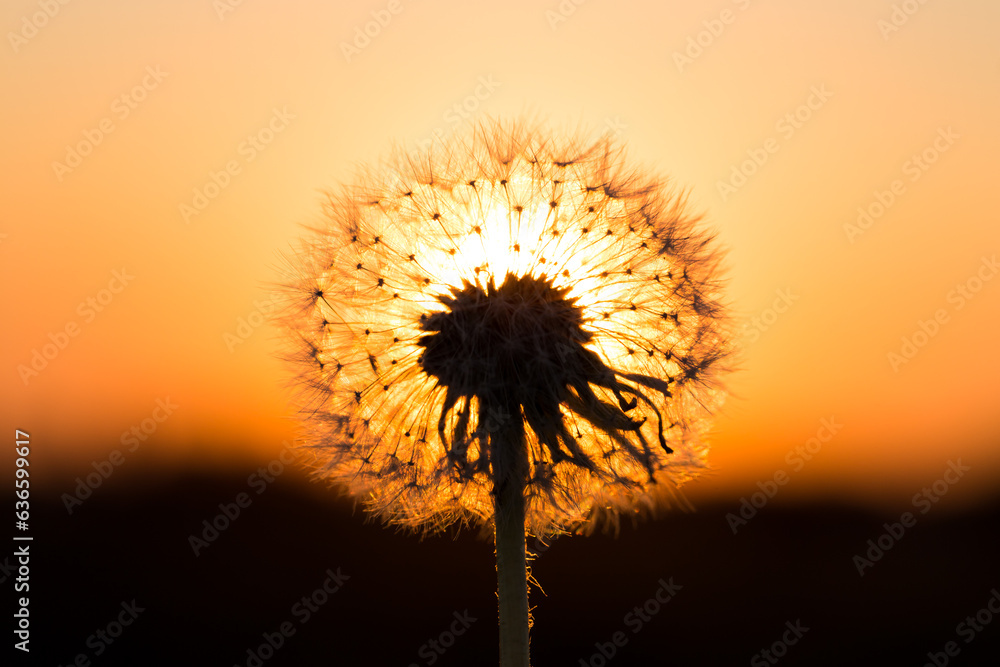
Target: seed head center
(513, 340)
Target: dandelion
(509, 329)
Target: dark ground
(737, 592)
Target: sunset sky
(160, 157)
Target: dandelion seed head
(508, 277)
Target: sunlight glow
(403, 244)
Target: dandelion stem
(510, 476)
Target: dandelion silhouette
(509, 329)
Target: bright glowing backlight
(509, 277)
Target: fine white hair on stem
(507, 274)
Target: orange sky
(160, 97)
